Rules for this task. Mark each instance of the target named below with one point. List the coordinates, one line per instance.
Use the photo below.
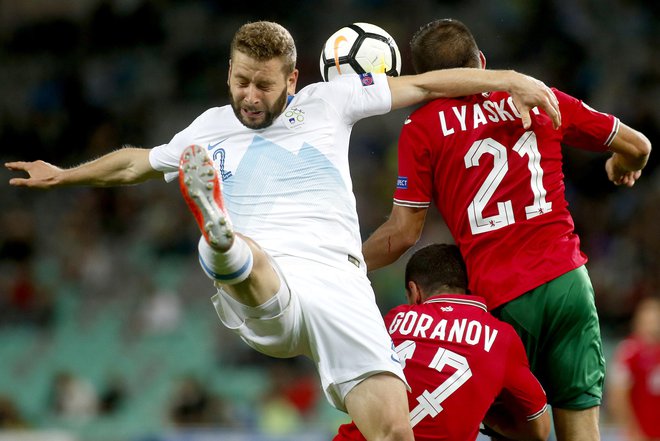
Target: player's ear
(482, 59)
(414, 294)
(291, 82)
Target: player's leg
(379, 407)
(233, 261)
(359, 369)
(558, 325)
(574, 425)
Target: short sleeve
(584, 127)
(355, 97)
(414, 186)
(521, 384)
(164, 160)
(165, 157)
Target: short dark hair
(264, 40)
(443, 44)
(437, 267)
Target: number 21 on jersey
(525, 146)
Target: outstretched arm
(631, 152)
(526, 91)
(129, 165)
(394, 237)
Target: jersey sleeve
(414, 185)
(355, 97)
(165, 157)
(528, 397)
(584, 127)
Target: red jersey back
(499, 187)
(457, 359)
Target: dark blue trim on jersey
(289, 98)
(226, 277)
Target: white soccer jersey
(288, 186)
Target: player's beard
(269, 114)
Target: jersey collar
(460, 299)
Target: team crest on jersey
(402, 182)
(295, 117)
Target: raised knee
(399, 432)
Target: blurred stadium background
(106, 329)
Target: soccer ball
(359, 48)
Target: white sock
(228, 268)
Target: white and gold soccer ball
(360, 48)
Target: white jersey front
(288, 186)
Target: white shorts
(331, 317)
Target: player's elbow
(640, 147)
(408, 224)
(633, 146)
(644, 148)
(408, 238)
(540, 428)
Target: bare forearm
(467, 81)
(401, 231)
(384, 247)
(122, 167)
(631, 149)
(412, 89)
(126, 166)
(525, 91)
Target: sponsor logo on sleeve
(367, 79)
(402, 182)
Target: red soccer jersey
(639, 365)
(499, 187)
(457, 359)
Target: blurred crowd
(80, 78)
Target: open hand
(527, 93)
(41, 174)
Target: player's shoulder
(214, 112)
(342, 83)
(503, 328)
(329, 91)
(565, 98)
(339, 82)
(213, 118)
(398, 310)
(425, 113)
(433, 107)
